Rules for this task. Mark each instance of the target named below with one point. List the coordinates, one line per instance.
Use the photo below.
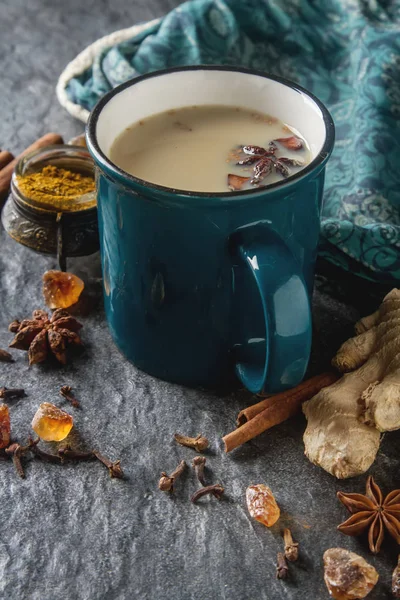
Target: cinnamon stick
(50, 139)
(5, 158)
(309, 388)
(278, 409)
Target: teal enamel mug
(200, 287)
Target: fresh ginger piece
(345, 419)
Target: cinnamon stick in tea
(50, 139)
(278, 408)
(309, 388)
(5, 158)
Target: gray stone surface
(73, 533)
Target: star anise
(264, 161)
(41, 335)
(373, 512)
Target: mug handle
(276, 357)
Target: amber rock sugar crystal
(396, 580)
(5, 426)
(347, 575)
(262, 505)
(61, 290)
(51, 423)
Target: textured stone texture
(72, 532)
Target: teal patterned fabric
(344, 51)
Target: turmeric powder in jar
(52, 207)
(56, 188)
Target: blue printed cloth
(344, 51)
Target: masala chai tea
(210, 149)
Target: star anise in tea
(264, 161)
(372, 512)
(42, 336)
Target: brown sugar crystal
(262, 505)
(61, 290)
(51, 423)
(5, 427)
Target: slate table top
(72, 532)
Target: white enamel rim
(164, 90)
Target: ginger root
(345, 419)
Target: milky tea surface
(195, 148)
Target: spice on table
(40, 335)
(61, 289)
(51, 423)
(5, 356)
(167, 482)
(262, 505)
(67, 453)
(66, 392)
(291, 547)
(5, 426)
(306, 389)
(345, 421)
(5, 158)
(114, 467)
(282, 569)
(215, 490)
(396, 580)
(347, 575)
(198, 443)
(372, 512)
(198, 463)
(16, 452)
(63, 455)
(54, 187)
(11, 393)
(274, 410)
(50, 139)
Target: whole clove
(67, 453)
(291, 547)
(216, 490)
(167, 482)
(114, 468)
(11, 394)
(282, 569)
(199, 462)
(198, 443)
(64, 453)
(5, 356)
(66, 392)
(16, 451)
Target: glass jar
(53, 227)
